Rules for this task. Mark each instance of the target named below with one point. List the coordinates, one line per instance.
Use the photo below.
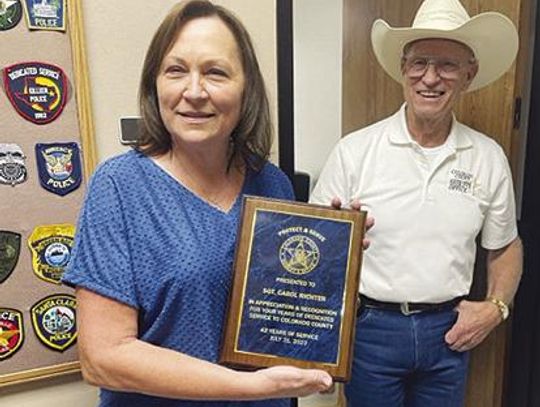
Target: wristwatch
(503, 308)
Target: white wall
(317, 81)
(318, 47)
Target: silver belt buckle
(404, 307)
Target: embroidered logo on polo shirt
(53, 320)
(11, 332)
(460, 181)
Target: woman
(156, 234)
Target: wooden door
(369, 95)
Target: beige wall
(117, 34)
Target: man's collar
(398, 132)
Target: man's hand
(356, 205)
(475, 321)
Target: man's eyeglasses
(416, 67)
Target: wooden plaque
(295, 287)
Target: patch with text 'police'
(12, 165)
(10, 248)
(10, 14)
(11, 332)
(51, 250)
(37, 90)
(59, 167)
(54, 321)
(45, 14)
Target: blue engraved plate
(295, 290)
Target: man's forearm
(504, 267)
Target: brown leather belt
(408, 308)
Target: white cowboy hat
(491, 36)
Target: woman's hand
(288, 381)
(356, 205)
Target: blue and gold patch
(51, 250)
(37, 91)
(10, 248)
(59, 167)
(11, 332)
(54, 321)
(10, 14)
(46, 14)
(12, 166)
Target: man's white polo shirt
(427, 216)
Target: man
(432, 185)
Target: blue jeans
(403, 361)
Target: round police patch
(10, 14)
(59, 167)
(54, 321)
(37, 90)
(11, 332)
(51, 250)
(12, 165)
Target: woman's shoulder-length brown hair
(252, 137)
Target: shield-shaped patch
(54, 321)
(46, 14)
(37, 90)
(59, 167)
(11, 332)
(51, 250)
(10, 247)
(10, 14)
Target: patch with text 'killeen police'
(51, 250)
(59, 167)
(37, 90)
(11, 332)
(54, 321)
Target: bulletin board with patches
(46, 155)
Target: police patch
(37, 91)
(12, 166)
(54, 321)
(10, 14)
(10, 247)
(46, 14)
(59, 167)
(11, 332)
(51, 250)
